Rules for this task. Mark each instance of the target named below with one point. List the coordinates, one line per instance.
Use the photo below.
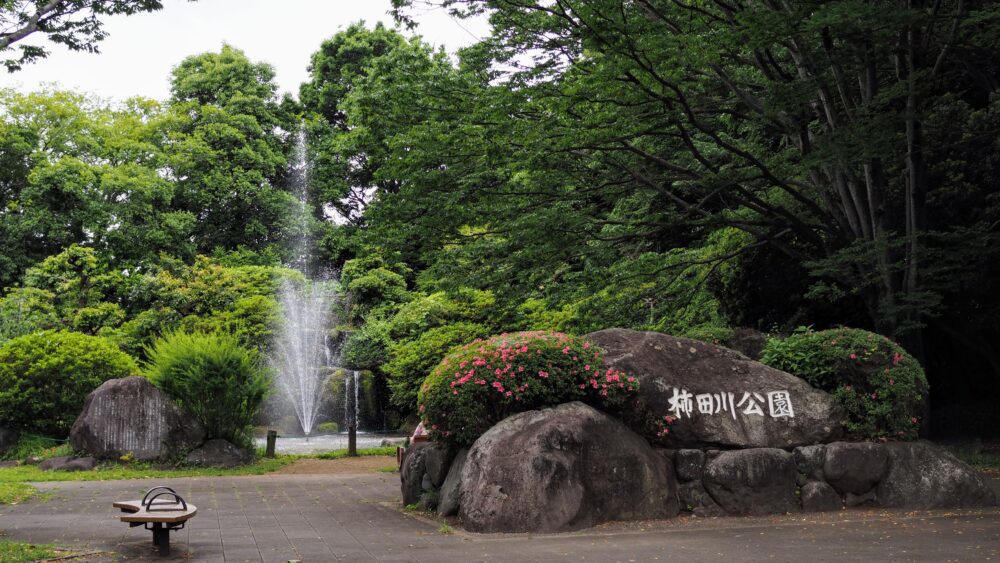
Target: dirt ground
(342, 466)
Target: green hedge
(483, 382)
(881, 387)
(46, 376)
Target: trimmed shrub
(483, 382)
(881, 387)
(45, 377)
(413, 360)
(214, 378)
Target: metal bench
(161, 510)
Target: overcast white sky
(142, 49)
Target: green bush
(93, 319)
(425, 312)
(328, 428)
(45, 377)
(377, 286)
(413, 360)
(881, 387)
(25, 310)
(250, 319)
(366, 348)
(483, 382)
(218, 381)
(30, 445)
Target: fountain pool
(329, 442)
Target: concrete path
(319, 518)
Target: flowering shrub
(881, 387)
(663, 426)
(485, 381)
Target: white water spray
(302, 357)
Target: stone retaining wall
(704, 482)
(826, 477)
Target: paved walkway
(319, 518)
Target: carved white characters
(779, 404)
(681, 403)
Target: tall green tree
(78, 171)
(226, 145)
(808, 125)
(75, 24)
(349, 145)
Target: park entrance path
(319, 518)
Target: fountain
(301, 354)
(303, 357)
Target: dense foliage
(45, 377)
(674, 166)
(222, 384)
(881, 387)
(412, 360)
(485, 381)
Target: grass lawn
(15, 476)
(26, 473)
(337, 454)
(13, 493)
(16, 552)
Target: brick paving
(321, 518)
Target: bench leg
(161, 538)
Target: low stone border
(757, 481)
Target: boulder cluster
(777, 451)
(130, 418)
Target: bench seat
(160, 512)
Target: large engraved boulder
(562, 469)
(719, 396)
(131, 416)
